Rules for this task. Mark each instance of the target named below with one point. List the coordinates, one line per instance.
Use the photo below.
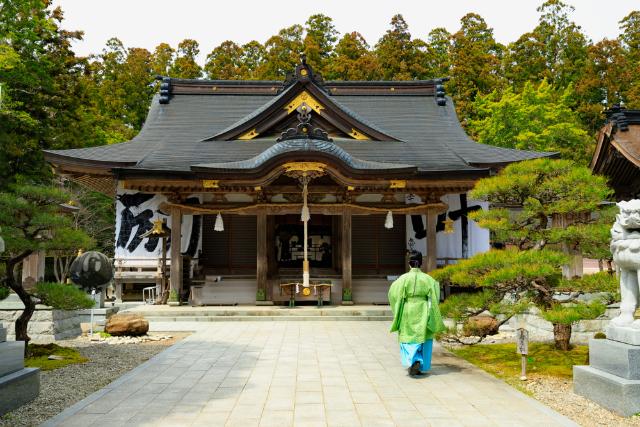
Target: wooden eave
(273, 87)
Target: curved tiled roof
(172, 138)
(304, 146)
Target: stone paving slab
(301, 374)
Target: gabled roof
(197, 125)
(303, 92)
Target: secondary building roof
(617, 154)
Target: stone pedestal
(613, 377)
(18, 385)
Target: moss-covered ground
(502, 361)
(39, 356)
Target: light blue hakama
(411, 353)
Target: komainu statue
(625, 247)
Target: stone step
(262, 313)
(239, 318)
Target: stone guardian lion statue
(625, 247)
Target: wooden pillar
(262, 265)
(33, 269)
(347, 296)
(431, 261)
(176, 255)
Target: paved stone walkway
(302, 373)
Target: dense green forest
(544, 91)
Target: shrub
(61, 296)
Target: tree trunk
(562, 336)
(29, 304)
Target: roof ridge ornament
(304, 130)
(303, 73)
(441, 100)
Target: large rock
(127, 324)
(480, 326)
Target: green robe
(414, 298)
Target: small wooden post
(432, 251)
(346, 257)
(522, 346)
(176, 254)
(262, 265)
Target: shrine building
(376, 168)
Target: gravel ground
(558, 394)
(63, 387)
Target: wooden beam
(346, 253)
(432, 250)
(262, 262)
(176, 255)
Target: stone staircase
(269, 313)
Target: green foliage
(505, 271)
(38, 356)
(598, 282)
(542, 189)
(261, 295)
(104, 334)
(502, 360)
(346, 294)
(568, 314)
(540, 118)
(600, 336)
(185, 65)
(4, 292)
(555, 50)
(475, 58)
(31, 220)
(43, 103)
(173, 295)
(62, 296)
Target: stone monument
(18, 385)
(613, 377)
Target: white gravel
(63, 387)
(558, 394)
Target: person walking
(414, 299)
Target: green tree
(604, 82)
(31, 220)
(399, 55)
(319, 41)
(539, 118)
(225, 62)
(437, 59)
(185, 65)
(540, 207)
(353, 60)
(282, 53)
(630, 40)
(253, 56)
(162, 59)
(121, 84)
(43, 99)
(475, 64)
(555, 50)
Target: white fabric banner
(135, 214)
(449, 245)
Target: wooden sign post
(522, 346)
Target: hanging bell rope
(219, 225)
(388, 223)
(305, 216)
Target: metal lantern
(92, 270)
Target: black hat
(415, 259)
